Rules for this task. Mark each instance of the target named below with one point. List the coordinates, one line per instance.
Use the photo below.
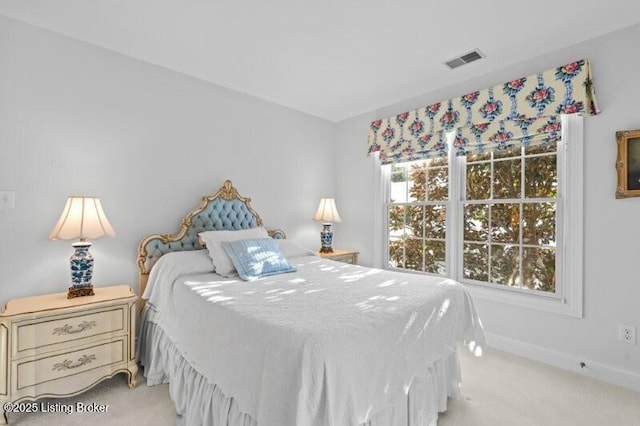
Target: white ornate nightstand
(51, 346)
(346, 256)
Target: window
(417, 215)
(509, 218)
(498, 222)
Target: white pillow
(291, 250)
(221, 260)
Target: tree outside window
(507, 205)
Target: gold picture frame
(628, 163)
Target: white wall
(612, 227)
(78, 119)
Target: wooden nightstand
(51, 346)
(346, 256)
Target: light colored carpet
(501, 389)
(498, 389)
(142, 406)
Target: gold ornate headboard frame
(226, 192)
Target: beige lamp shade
(327, 211)
(82, 218)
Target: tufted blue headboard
(224, 210)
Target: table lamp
(327, 213)
(81, 218)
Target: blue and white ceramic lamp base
(81, 271)
(326, 238)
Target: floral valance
(522, 111)
(504, 135)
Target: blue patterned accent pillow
(257, 257)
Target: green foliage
(398, 174)
(420, 229)
(510, 243)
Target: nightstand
(345, 256)
(51, 346)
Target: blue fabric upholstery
(257, 257)
(219, 214)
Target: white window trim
(569, 272)
(569, 301)
(381, 176)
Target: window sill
(532, 301)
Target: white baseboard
(564, 361)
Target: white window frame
(567, 299)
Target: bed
(326, 344)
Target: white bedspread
(331, 344)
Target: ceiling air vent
(464, 59)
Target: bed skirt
(199, 402)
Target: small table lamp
(82, 218)
(326, 214)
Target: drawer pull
(68, 329)
(69, 365)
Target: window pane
(408, 224)
(541, 177)
(434, 257)
(398, 184)
(506, 179)
(438, 162)
(508, 153)
(505, 223)
(476, 222)
(413, 254)
(479, 157)
(478, 181)
(505, 265)
(476, 262)
(414, 225)
(539, 224)
(540, 149)
(435, 221)
(396, 252)
(417, 182)
(438, 184)
(398, 172)
(539, 268)
(396, 220)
